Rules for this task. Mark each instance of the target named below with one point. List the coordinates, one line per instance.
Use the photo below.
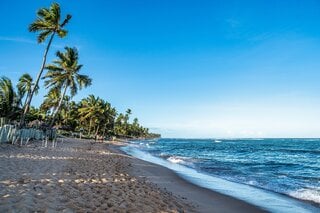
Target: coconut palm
(69, 114)
(51, 100)
(64, 74)
(47, 25)
(24, 86)
(120, 125)
(88, 110)
(105, 117)
(98, 113)
(8, 99)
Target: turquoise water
(271, 173)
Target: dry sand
(82, 176)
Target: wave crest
(174, 159)
(307, 194)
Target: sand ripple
(77, 176)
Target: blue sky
(187, 68)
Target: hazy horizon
(208, 69)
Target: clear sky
(187, 68)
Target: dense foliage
(92, 116)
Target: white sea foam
(174, 159)
(252, 183)
(270, 201)
(307, 194)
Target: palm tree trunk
(25, 101)
(26, 109)
(59, 105)
(96, 134)
(104, 131)
(90, 124)
(98, 127)
(24, 106)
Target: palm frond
(62, 33)
(66, 20)
(43, 13)
(43, 35)
(55, 11)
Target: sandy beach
(86, 176)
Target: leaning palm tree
(24, 86)
(64, 74)
(47, 24)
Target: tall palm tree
(64, 74)
(24, 86)
(47, 24)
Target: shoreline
(301, 205)
(83, 175)
(205, 200)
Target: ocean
(279, 175)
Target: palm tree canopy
(51, 99)
(25, 85)
(7, 94)
(48, 22)
(8, 98)
(96, 111)
(65, 71)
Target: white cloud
(25, 40)
(17, 39)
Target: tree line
(62, 78)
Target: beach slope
(83, 176)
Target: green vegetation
(92, 117)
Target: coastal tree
(88, 110)
(105, 119)
(9, 101)
(51, 100)
(63, 74)
(47, 24)
(24, 87)
(69, 114)
(98, 113)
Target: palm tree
(47, 24)
(51, 101)
(64, 74)
(104, 117)
(120, 125)
(98, 113)
(24, 86)
(69, 114)
(8, 99)
(88, 110)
